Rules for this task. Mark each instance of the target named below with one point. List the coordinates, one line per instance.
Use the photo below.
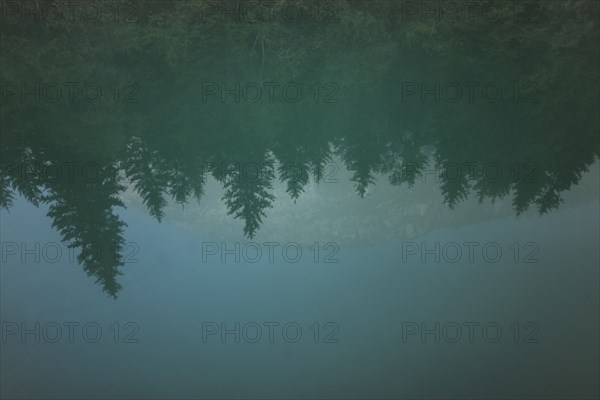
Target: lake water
(299, 199)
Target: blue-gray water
(375, 238)
(170, 293)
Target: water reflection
(496, 111)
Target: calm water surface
(298, 199)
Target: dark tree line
(172, 137)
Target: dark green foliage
(163, 143)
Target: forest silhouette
(378, 93)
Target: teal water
(298, 199)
